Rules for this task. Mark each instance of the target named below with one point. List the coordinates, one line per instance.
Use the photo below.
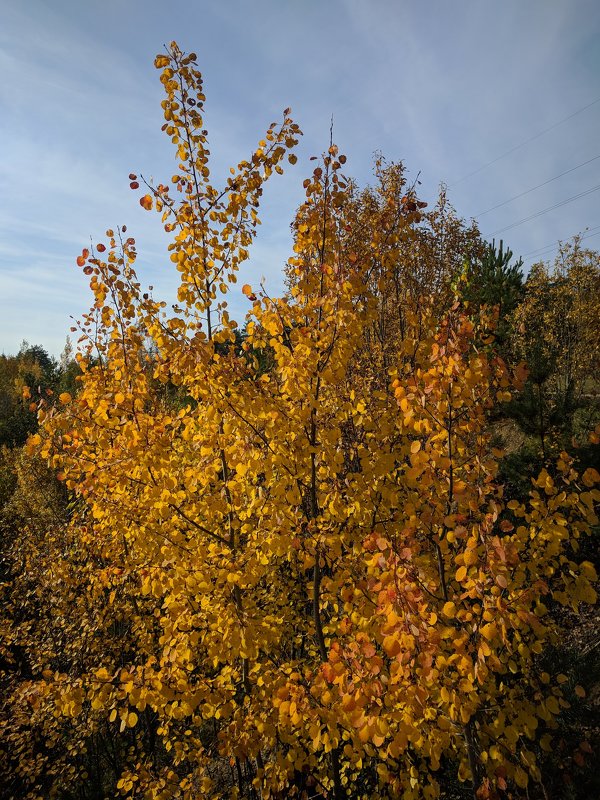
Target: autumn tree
(411, 255)
(31, 367)
(556, 332)
(303, 577)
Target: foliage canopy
(296, 569)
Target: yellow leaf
(489, 630)
(590, 477)
(449, 609)
(391, 645)
(552, 705)
(521, 777)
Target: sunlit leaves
(293, 546)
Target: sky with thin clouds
(491, 98)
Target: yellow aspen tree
(325, 586)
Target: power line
(522, 144)
(548, 251)
(544, 211)
(522, 194)
(585, 235)
(549, 248)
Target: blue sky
(445, 86)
